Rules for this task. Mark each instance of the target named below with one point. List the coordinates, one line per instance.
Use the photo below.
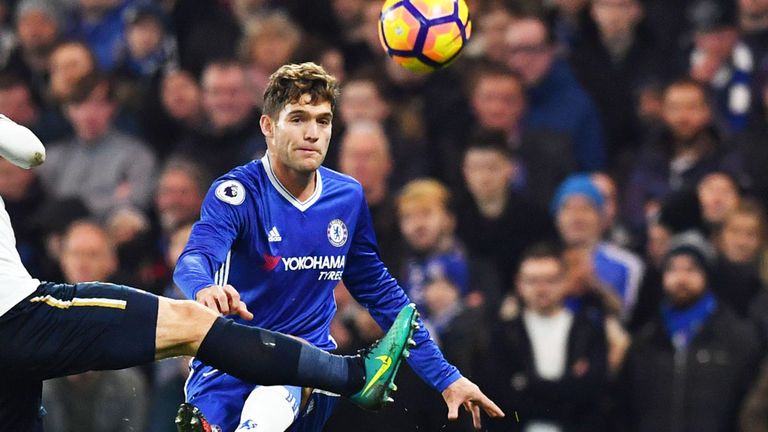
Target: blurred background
(629, 135)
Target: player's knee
(182, 326)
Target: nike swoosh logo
(210, 372)
(386, 362)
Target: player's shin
(268, 358)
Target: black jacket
(698, 389)
(573, 401)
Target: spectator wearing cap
(548, 363)
(686, 149)
(39, 24)
(595, 264)
(689, 369)
(722, 61)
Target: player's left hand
(465, 392)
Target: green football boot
(383, 359)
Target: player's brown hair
(292, 81)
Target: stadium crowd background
(612, 126)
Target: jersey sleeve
(368, 280)
(222, 219)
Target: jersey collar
(302, 206)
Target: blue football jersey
(285, 257)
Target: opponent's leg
(20, 404)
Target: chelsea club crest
(337, 233)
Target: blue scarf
(682, 325)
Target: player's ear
(267, 125)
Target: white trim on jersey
(222, 275)
(302, 206)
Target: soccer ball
(424, 35)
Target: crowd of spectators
(577, 204)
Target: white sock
(270, 409)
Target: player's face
(298, 139)
(684, 282)
(541, 284)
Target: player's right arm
(221, 220)
(19, 145)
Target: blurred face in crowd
(571, 7)
(144, 37)
(14, 181)
(616, 19)
(579, 222)
(754, 8)
(370, 26)
(364, 155)
(226, 96)
(273, 43)
(98, 6)
(718, 43)
(741, 237)
(361, 100)
(92, 117)
(440, 296)
(181, 96)
(69, 63)
(425, 224)
(87, 254)
(178, 199)
(718, 196)
(487, 173)
(16, 103)
(332, 60)
(492, 30)
(684, 281)
(541, 284)
(658, 243)
(607, 188)
(244, 9)
(498, 102)
(37, 31)
(347, 11)
(685, 111)
(528, 51)
(176, 244)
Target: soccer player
(50, 330)
(277, 235)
